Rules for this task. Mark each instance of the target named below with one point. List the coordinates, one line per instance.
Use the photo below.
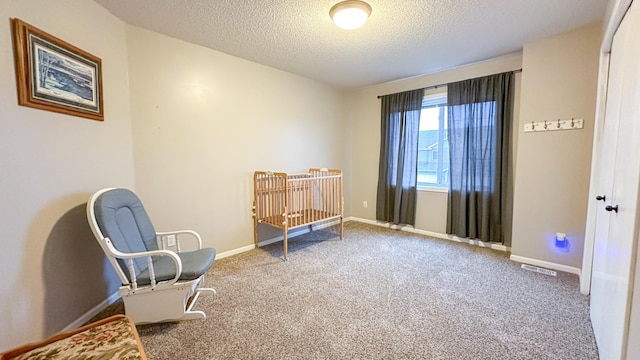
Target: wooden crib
(289, 201)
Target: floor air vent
(539, 270)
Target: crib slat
(271, 196)
(332, 198)
(329, 197)
(293, 192)
(324, 196)
(338, 196)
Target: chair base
(166, 304)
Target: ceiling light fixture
(350, 14)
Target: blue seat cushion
(194, 265)
(122, 218)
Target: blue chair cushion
(194, 265)
(123, 219)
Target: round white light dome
(350, 14)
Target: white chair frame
(159, 301)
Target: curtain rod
(440, 85)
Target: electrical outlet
(171, 240)
(364, 204)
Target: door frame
(616, 10)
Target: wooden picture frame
(54, 75)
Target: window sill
(433, 189)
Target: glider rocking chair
(158, 278)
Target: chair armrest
(180, 232)
(112, 251)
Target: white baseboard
(93, 312)
(545, 264)
(235, 251)
(411, 229)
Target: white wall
(364, 117)
(204, 121)
(552, 178)
(52, 267)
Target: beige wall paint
(204, 121)
(53, 269)
(552, 177)
(364, 117)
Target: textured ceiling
(402, 38)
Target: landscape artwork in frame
(56, 76)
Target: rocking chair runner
(156, 282)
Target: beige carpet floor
(378, 294)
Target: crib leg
(255, 225)
(284, 244)
(341, 228)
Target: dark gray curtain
(480, 113)
(397, 175)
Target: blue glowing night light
(561, 241)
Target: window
(433, 146)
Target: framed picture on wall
(54, 75)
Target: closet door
(607, 325)
(616, 231)
(626, 186)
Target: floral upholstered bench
(115, 337)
